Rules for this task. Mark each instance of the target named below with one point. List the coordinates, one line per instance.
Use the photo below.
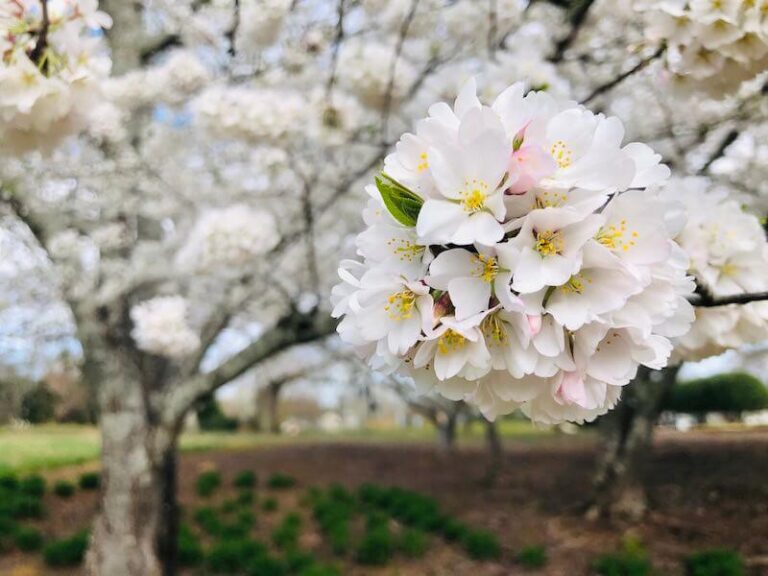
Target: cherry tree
(203, 193)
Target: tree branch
(707, 300)
(42, 37)
(387, 106)
(337, 41)
(232, 32)
(293, 329)
(577, 15)
(623, 76)
(727, 140)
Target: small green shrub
(333, 510)
(715, 563)
(318, 570)
(269, 504)
(190, 551)
(453, 530)
(413, 543)
(533, 557)
(296, 560)
(230, 506)
(66, 552)
(481, 545)
(64, 489)
(207, 483)
(207, 518)
(234, 556)
(9, 482)
(265, 565)
(280, 481)
(632, 560)
(245, 479)
(90, 481)
(24, 506)
(286, 535)
(245, 498)
(28, 539)
(8, 528)
(33, 486)
(377, 545)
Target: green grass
(52, 446)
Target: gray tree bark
(627, 439)
(446, 430)
(125, 535)
(267, 407)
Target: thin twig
(577, 15)
(42, 36)
(387, 107)
(727, 140)
(232, 32)
(493, 28)
(621, 77)
(338, 40)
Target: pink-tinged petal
(534, 324)
(572, 389)
(470, 296)
(438, 221)
(528, 166)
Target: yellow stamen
(575, 284)
(450, 342)
(493, 330)
(400, 305)
(562, 154)
(612, 237)
(405, 249)
(473, 196)
(487, 268)
(549, 243)
(423, 163)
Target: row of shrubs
(633, 560)
(22, 499)
(209, 482)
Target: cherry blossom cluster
(160, 327)
(250, 114)
(231, 236)
(729, 255)
(50, 64)
(514, 257)
(715, 44)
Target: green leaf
(402, 204)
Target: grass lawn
(54, 445)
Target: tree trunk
(127, 530)
(273, 405)
(627, 439)
(446, 428)
(267, 408)
(495, 451)
(169, 524)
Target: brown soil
(706, 490)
